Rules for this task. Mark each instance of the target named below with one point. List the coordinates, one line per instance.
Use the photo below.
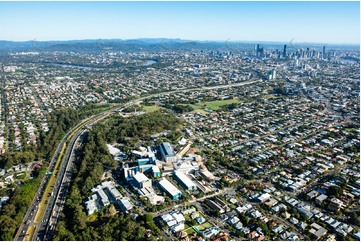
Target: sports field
(214, 105)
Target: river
(150, 62)
(76, 66)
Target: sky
(316, 22)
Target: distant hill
(157, 44)
(150, 44)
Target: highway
(43, 230)
(31, 212)
(55, 205)
(57, 200)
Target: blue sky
(320, 22)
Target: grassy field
(214, 105)
(190, 231)
(149, 109)
(201, 111)
(200, 227)
(204, 226)
(269, 96)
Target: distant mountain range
(155, 44)
(100, 44)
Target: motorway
(54, 207)
(57, 200)
(30, 214)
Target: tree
(335, 191)
(264, 228)
(7, 228)
(148, 218)
(354, 218)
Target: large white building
(185, 181)
(142, 181)
(167, 152)
(186, 166)
(103, 195)
(125, 204)
(170, 189)
(104, 200)
(91, 204)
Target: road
(4, 103)
(31, 212)
(194, 202)
(55, 205)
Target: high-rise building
(271, 75)
(274, 75)
(324, 52)
(256, 48)
(313, 53)
(284, 51)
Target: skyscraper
(256, 48)
(324, 52)
(284, 51)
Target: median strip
(29, 233)
(50, 185)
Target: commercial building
(125, 204)
(185, 181)
(156, 171)
(167, 152)
(214, 206)
(208, 175)
(104, 200)
(103, 195)
(111, 191)
(186, 165)
(170, 189)
(141, 181)
(91, 204)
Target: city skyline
(315, 22)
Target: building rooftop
(140, 177)
(126, 204)
(155, 169)
(169, 187)
(185, 179)
(167, 149)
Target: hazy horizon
(185, 40)
(301, 22)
